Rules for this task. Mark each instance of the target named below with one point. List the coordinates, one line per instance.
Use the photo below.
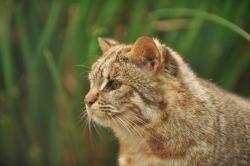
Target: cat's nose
(91, 98)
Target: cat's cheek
(110, 97)
(121, 96)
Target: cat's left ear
(145, 53)
(106, 44)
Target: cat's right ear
(145, 53)
(106, 44)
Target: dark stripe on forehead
(117, 53)
(107, 58)
(99, 68)
(101, 73)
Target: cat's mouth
(103, 117)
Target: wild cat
(161, 112)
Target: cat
(161, 112)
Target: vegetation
(47, 48)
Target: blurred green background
(47, 47)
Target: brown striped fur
(161, 112)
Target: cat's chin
(102, 121)
(100, 117)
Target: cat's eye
(112, 85)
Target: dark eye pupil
(112, 85)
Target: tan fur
(162, 113)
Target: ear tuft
(145, 52)
(104, 44)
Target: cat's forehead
(103, 66)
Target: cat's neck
(154, 138)
(169, 135)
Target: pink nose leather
(90, 98)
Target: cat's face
(124, 87)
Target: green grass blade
(202, 15)
(56, 78)
(68, 110)
(23, 37)
(7, 68)
(139, 8)
(48, 30)
(232, 71)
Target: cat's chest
(139, 159)
(137, 156)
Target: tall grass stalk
(182, 12)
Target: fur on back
(161, 112)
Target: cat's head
(130, 83)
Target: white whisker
(151, 129)
(82, 116)
(82, 65)
(96, 128)
(125, 126)
(90, 130)
(135, 130)
(114, 121)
